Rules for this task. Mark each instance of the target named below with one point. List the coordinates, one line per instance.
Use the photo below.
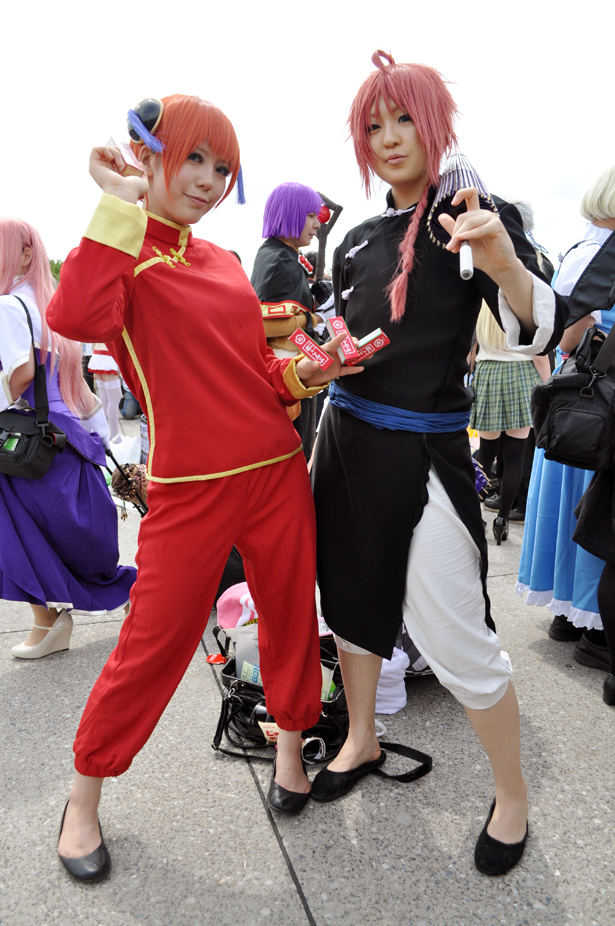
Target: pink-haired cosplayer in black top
(399, 526)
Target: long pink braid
(398, 287)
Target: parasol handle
(466, 264)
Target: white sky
(531, 79)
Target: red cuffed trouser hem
(97, 771)
(184, 544)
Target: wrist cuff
(118, 224)
(543, 313)
(96, 422)
(94, 411)
(294, 384)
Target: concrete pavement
(193, 842)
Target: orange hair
(186, 122)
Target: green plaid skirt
(503, 389)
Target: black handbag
(573, 411)
(28, 445)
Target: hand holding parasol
(458, 174)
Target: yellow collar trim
(184, 230)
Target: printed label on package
(346, 350)
(368, 345)
(311, 349)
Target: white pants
(444, 607)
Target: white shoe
(56, 639)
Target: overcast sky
(531, 79)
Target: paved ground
(193, 842)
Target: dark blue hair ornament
(241, 196)
(143, 121)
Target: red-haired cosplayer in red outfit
(181, 318)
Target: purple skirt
(58, 538)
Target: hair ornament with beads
(421, 92)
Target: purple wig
(287, 208)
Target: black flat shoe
(87, 868)
(328, 785)
(608, 690)
(284, 801)
(500, 530)
(493, 857)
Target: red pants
(184, 544)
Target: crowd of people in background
(391, 522)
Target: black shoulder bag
(573, 411)
(28, 445)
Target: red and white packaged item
(131, 166)
(346, 351)
(311, 349)
(368, 345)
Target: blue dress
(58, 534)
(553, 569)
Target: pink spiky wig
(15, 236)
(422, 93)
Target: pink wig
(421, 92)
(15, 236)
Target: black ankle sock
(513, 449)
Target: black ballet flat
(282, 800)
(87, 868)
(493, 857)
(500, 530)
(608, 690)
(329, 786)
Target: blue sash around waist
(397, 419)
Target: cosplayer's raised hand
(310, 373)
(492, 252)
(105, 162)
(492, 248)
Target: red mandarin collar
(168, 232)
